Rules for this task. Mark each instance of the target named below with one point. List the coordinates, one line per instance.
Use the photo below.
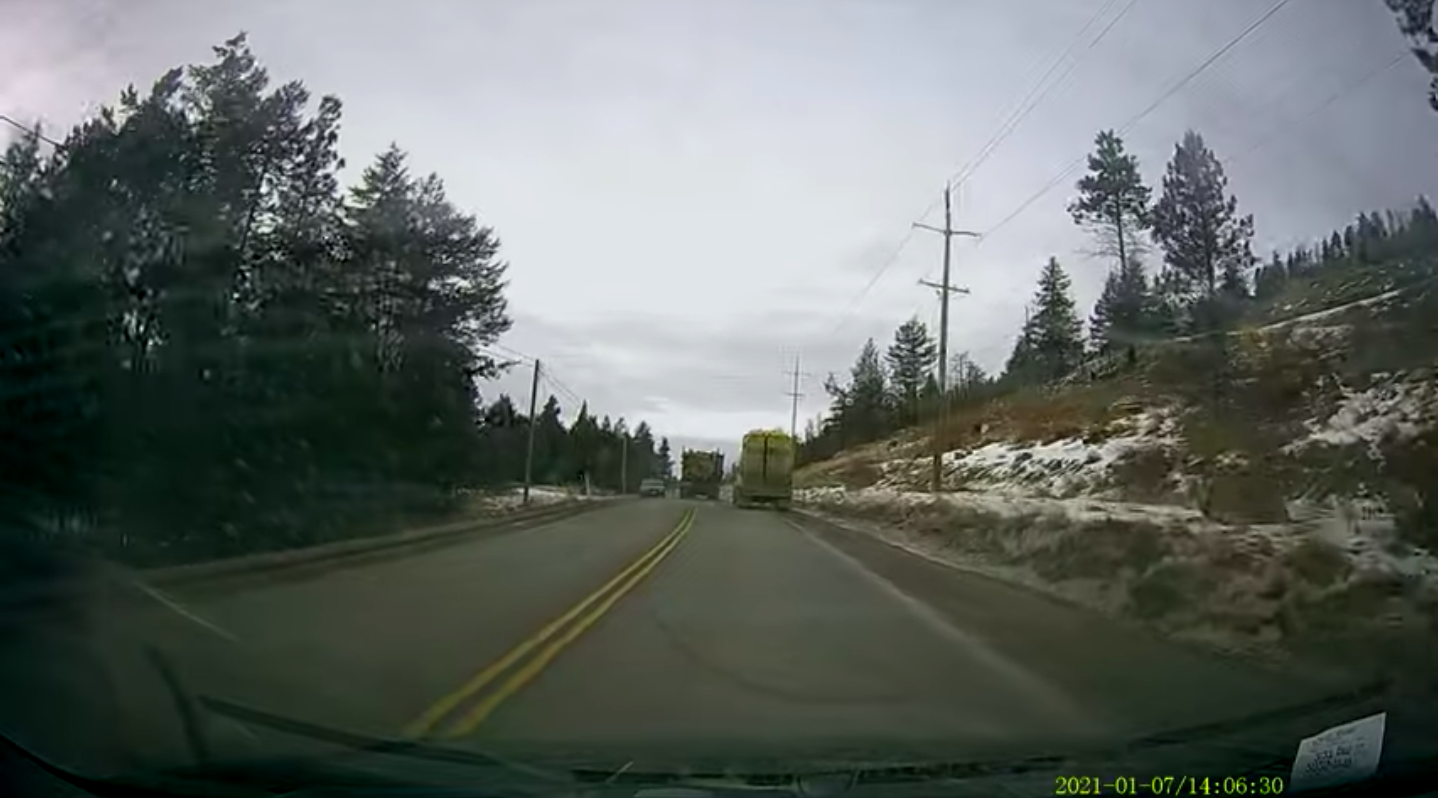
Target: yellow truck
(766, 470)
(700, 474)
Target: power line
(1017, 108)
(1348, 88)
(1061, 176)
(984, 151)
(1031, 101)
(29, 131)
(884, 267)
(559, 385)
(512, 351)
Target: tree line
(588, 452)
(1207, 280)
(208, 347)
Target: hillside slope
(1282, 502)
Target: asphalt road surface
(658, 629)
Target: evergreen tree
(1205, 242)
(1422, 232)
(967, 381)
(868, 410)
(1416, 21)
(1337, 250)
(911, 360)
(645, 462)
(1269, 280)
(666, 459)
(1050, 346)
(1113, 201)
(1124, 310)
(188, 298)
(550, 439)
(860, 411)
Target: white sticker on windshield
(1338, 755)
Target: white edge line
(170, 604)
(1010, 670)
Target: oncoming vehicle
(652, 487)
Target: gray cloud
(691, 193)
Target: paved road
(724, 632)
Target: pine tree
(967, 380)
(189, 298)
(666, 459)
(860, 411)
(911, 359)
(1269, 280)
(1204, 240)
(549, 443)
(1124, 310)
(1337, 250)
(1113, 201)
(645, 462)
(1416, 21)
(869, 408)
(1050, 346)
(1422, 228)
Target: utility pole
(529, 447)
(945, 289)
(624, 463)
(794, 395)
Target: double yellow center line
(564, 629)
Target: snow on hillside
(1400, 406)
(1067, 467)
(1375, 303)
(1011, 505)
(1043, 490)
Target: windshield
(519, 391)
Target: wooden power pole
(624, 463)
(794, 396)
(529, 447)
(945, 289)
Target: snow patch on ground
(1391, 407)
(1308, 319)
(1365, 530)
(539, 495)
(1240, 588)
(1013, 505)
(1064, 468)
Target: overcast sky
(691, 193)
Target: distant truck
(700, 474)
(765, 475)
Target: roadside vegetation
(208, 347)
(1232, 449)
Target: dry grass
(1039, 415)
(1228, 588)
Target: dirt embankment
(1255, 591)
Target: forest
(209, 347)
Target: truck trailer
(700, 474)
(766, 470)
